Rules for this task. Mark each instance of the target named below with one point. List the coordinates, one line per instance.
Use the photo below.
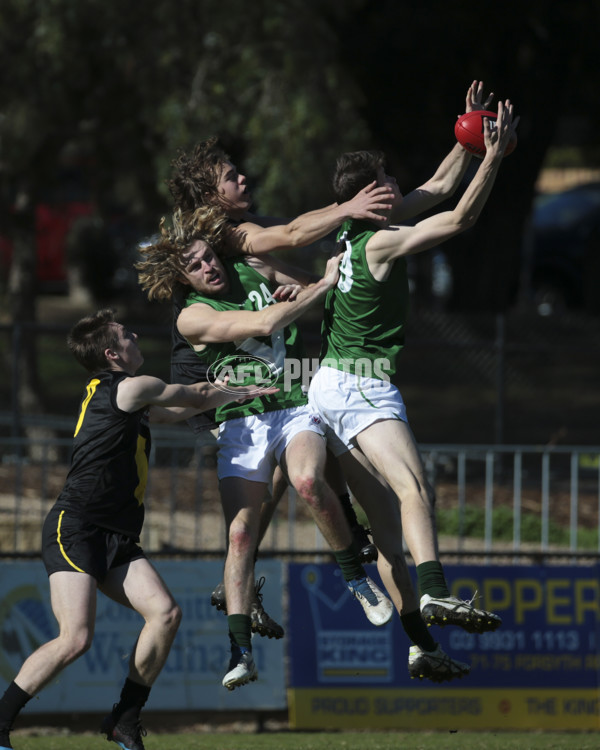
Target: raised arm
(314, 225)
(448, 176)
(201, 324)
(387, 245)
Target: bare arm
(278, 271)
(442, 185)
(448, 176)
(386, 245)
(175, 402)
(310, 227)
(201, 324)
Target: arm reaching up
(389, 244)
(448, 176)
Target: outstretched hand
(498, 138)
(253, 391)
(474, 97)
(372, 203)
(243, 393)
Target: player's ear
(111, 355)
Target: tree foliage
(116, 88)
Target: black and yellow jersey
(109, 461)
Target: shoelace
(139, 730)
(258, 587)
(362, 586)
(469, 602)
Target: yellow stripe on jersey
(141, 461)
(62, 549)
(91, 389)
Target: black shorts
(69, 542)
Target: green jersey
(363, 326)
(260, 361)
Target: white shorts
(350, 403)
(251, 447)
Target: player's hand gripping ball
(469, 132)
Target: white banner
(191, 678)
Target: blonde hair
(160, 272)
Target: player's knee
(308, 489)
(240, 539)
(172, 617)
(424, 494)
(165, 616)
(77, 644)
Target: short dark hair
(91, 336)
(354, 171)
(196, 174)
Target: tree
(126, 88)
(287, 86)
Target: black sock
(11, 704)
(349, 564)
(348, 509)
(132, 700)
(240, 630)
(431, 579)
(418, 632)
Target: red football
(469, 132)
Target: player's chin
(218, 286)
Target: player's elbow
(293, 235)
(450, 190)
(294, 239)
(438, 190)
(466, 221)
(269, 324)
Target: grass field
(328, 741)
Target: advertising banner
(540, 669)
(191, 678)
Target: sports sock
(240, 630)
(349, 564)
(348, 509)
(11, 703)
(430, 576)
(132, 700)
(418, 632)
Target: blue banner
(542, 663)
(191, 678)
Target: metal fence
(514, 502)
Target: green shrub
(471, 523)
